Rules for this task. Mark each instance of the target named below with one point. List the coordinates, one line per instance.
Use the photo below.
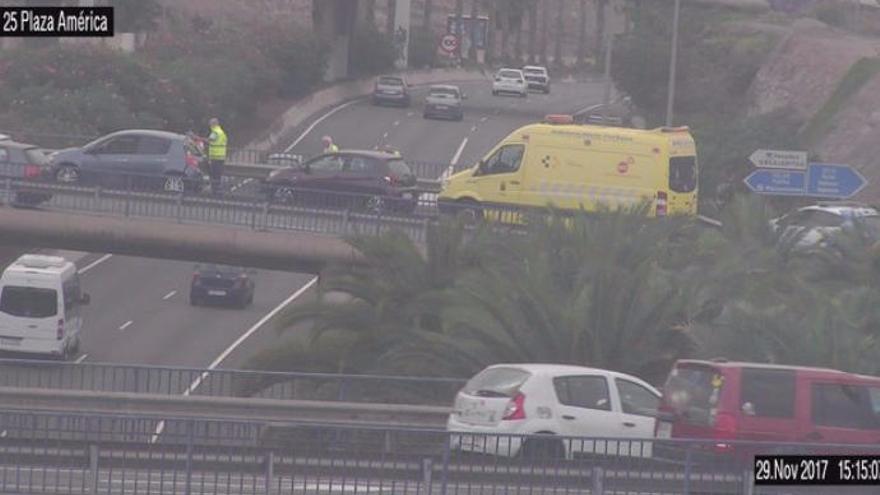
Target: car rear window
(444, 92)
(768, 393)
(510, 74)
(497, 382)
(693, 392)
(683, 174)
(35, 156)
(841, 405)
(390, 81)
(399, 168)
(29, 302)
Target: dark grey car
(444, 100)
(24, 163)
(155, 159)
(391, 89)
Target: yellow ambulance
(558, 163)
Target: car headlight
(274, 173)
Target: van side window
(72, 294)
(506, 160)
(683, 174)
(636, 399)
(590, 392)
(843, 406)
(770, 392)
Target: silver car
(444, 100)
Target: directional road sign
(821, 180)
(777, 182)
(827, 180)
(779, 159)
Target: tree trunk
(533, 31)
(505, 28)
(599, 44)
(426, 15)
(545, 25)
(560, 32)
(490, 36)
(475, 12)
(517, 41)
(582, 34)
(389, 23)
(370, 13)
(459, 11)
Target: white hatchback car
(510, 81)
(815, 225)
(505, 401)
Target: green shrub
(372, 52)
(833, 15)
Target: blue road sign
(777, 182)
(827, 180)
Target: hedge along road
(140, 311)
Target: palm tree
(426, 15)
(560, 32)
(475, 12)
(545, 26)
(370, 12)
(582, 33)
(599, 42)
(533, 31)
(389, 21)
(516, 17)
(459, 27)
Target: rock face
(806, 68)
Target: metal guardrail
(199, 382)
(266, 410)
(334, 459)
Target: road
(140, 311)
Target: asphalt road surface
(140, 311)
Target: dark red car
(366, 180)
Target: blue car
(134, 158)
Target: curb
(338, 93)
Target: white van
(40, 300)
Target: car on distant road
(134, 158)
(391, 89)
(221, 284)
(444, 100)
(537, 77)
(360, 179)
(815, 225)
(25, 163)
(505, 401)
(510, 81)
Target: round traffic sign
(449, 43)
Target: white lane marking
(81, 358)
(396, 123)
(483, 119)
(169, 295)
(318, 121)
(125, 325)
(474, 128)
(94, 263)
(223, 355)
(410, 114)
(240, 185)
(385, 136)
(457, 154)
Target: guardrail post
(179, 203)
(128, 190)
(190, 434)
(93, 470)
(265, 222)
(748, 482)
(346, 220)
(428, 473)
(687, 471)
(444, 473)
(270, 471)
(97, 196)
(598, 481)
(7, 189)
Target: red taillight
(32, 171)
(195, 277)
(192, 161)
(392, 179)
(239, 282)
(725, 429)
(661, 204)
(515, 408)
(60, 333)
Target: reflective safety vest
(332, 148)
(217, 144)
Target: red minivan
(760, 402)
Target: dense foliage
(615, 290)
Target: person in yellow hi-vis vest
(329, 145)
(216, 154)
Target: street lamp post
(670, 100)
